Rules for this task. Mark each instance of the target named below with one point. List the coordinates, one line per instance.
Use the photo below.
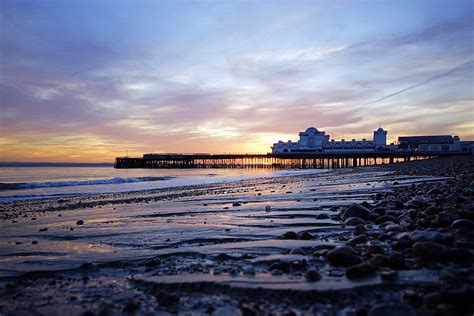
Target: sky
(86, 81)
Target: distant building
(467, 146)
(429, 143)
(314, 141)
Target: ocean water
(19, 183)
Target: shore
(364, 241)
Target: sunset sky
(90, 80)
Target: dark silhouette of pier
(313, 160)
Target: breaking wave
(35, 185)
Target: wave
(35, 185)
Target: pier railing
(288, 160)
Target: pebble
(393, 228)
(297, 251)
(392, 310)
(268, 208)
(234, 271)
(152, 263)
(396, 205)
(355, 210)
(396, 260)
(359, 271)
(447, 275)
(375, 249)
(385, 218)
(282, 266)
(418, 201)
(80, 222)
(432, 236)
(358, 240)
(427, 250)
(277, 272)
(307, 236)
(432, 299)
(460, 255)
(389, 276)
(131, 307)
(343, 256)
(462, 223)
(378, 261)
(434, 191)
(353, 221)
(359, 229)
(166, 300)
(290, 235)
(313, 275)
(249, 271)
(248, 309)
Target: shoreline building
(314, 141)
(429, 143)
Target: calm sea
(19, 183)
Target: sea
(34, 182)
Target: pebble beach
(381, 240)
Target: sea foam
(34, 185)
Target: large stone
(355, 210)
(427, 250)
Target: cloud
(424, 82)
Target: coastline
(146, 247)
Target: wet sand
(336, 242)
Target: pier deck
(313, 160)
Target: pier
(277, 161)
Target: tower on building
(380, 137)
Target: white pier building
(314, 141)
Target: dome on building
(311, 130)
(380, 130)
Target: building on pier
(314, 141)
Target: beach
(393, 239)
